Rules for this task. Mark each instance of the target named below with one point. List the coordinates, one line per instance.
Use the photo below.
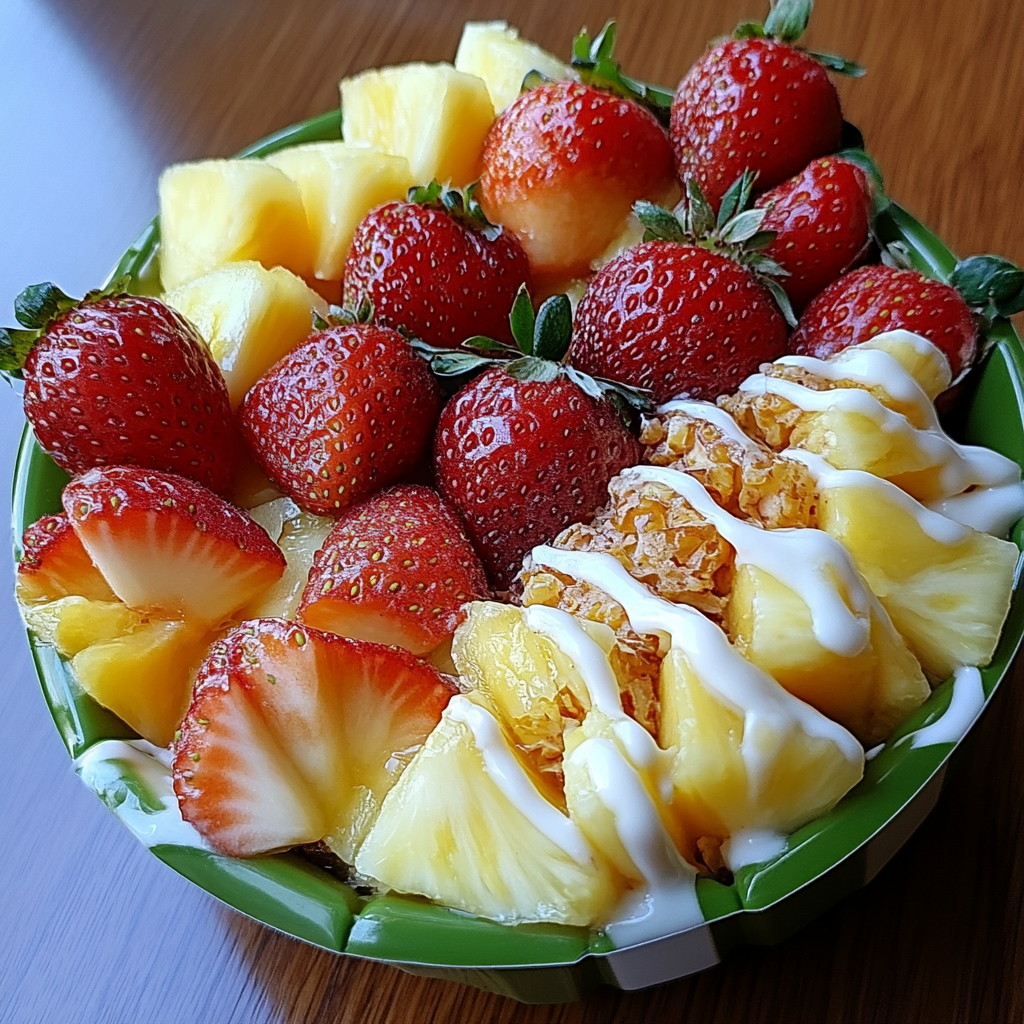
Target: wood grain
(94, 929)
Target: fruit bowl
(821, 863)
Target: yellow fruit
(249, 316)
(918, 356)
(431, 114)
(493, 51)
(73, 623)
(775, 770)
(220, 211)
(467, 827)
(868, 693)
(946, 588)
(340, 184)
(145, 677)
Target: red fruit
(165, 544)
(54, 564)
(822, 220)
(433, 274)
(870, 300)
(343, 415)
(676, 319)
(293, 735)
(520, 460)
(563, 166)
(752, 103)
(395, 570)
(125, 380)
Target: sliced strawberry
(396, 570)
(166, 544)
(54, 564)
(294, 735)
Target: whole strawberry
(822, 223)
(679, 314)
(757, 102)
(341, 416)
(120, 379)
(564, 164)
(529, 446)
(396, 569)
(436, 267)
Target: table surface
(95, 97)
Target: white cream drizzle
(964, 707)
(153, 766)
(935, 525)
(752, 846)
(712, 414)
(993, 509)
(807, 561)
(768, 711)
(511, 779)
(920, 346)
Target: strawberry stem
(462, 205)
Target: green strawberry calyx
(345, 316)
(540, 354)
(35, 309)
(786, 22)
(462, 205)
(734, 232)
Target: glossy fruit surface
(874, 299)
(127, 380)
(434, 275)
(757, 104)
(343, 415)
(521, 459)
(676, 319)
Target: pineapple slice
(531, 683)
(73, 623)
(466, 826)
(431, 114)
(145, 677)
(219, 211)
(249, 316)
(493, 51)
(925, 362)
(869, 692)
(946, 587)
(299, 535)
(340, 184)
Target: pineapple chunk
(466, 826)
(734, 770)
(219, 211)
(340, 184)
(869, 693)
(925, 362)
(145, 677)
(493, 51)
(946, 587)
(431, 114)
(73, 623)
(249, 316)
(300, 536)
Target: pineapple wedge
(431, 114)
(73, 623)
(945, 586)
(466, 826)
(926, 363)
(340, 184)
(868, 693)
(220, 211)
(493, 51)
(145, 677)
(249, 316)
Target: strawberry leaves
(462, 205)
(990, 285)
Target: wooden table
(97, 96)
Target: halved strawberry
(294, 736)
(397, 570)
(54, 564)
(168, 545)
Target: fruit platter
(528, 526)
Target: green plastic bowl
(822, 862)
